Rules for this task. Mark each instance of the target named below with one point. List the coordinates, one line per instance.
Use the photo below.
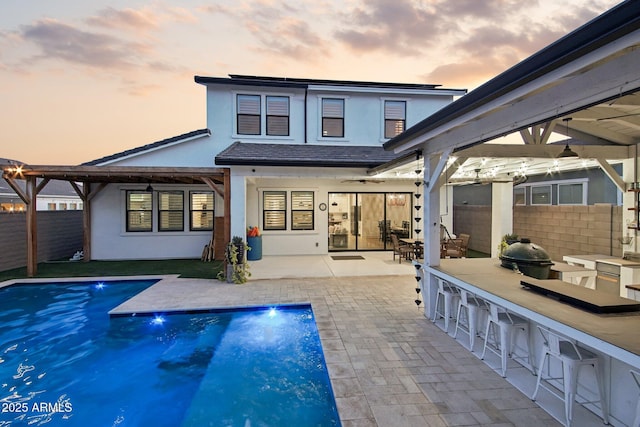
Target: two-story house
(300, 153)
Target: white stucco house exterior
(302, 156)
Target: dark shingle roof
(237, 79)
(261, 154)
(195, 133)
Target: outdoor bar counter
(615, 336)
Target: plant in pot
(236, 266)
(507, 240)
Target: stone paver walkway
(389, 366)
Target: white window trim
(556, 191)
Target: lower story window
(139, 211)
(170, 211)
(302, 210)
(274, 210)
(202, 210)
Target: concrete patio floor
(389, 365)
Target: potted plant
(236, 267)
(507, 240)
(254, 240)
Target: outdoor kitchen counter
(615, 335)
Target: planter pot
(255, 243)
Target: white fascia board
(359, 89)
(548, 82)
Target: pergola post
(32, 227)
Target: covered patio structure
(88, 181)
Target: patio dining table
(417, 244)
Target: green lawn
(191, 268)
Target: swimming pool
(64, 362)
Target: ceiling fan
(477, 180)
(364, 181)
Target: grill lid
(524, 250)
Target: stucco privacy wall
(59, 236)
(560, 230)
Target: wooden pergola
(94, 179)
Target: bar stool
(469, 308)
(572, 357)
(446, 298)
(505, 339)
(636, 378)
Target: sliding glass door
(365, 221)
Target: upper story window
(248, 114)
(333, 117)
(250, 117)
(278, 115)
(395, 113)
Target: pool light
(272, 312)
(100, 285)
(158, 320)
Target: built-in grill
(530, 259)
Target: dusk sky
(84, 79)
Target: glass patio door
(365, 221)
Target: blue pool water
(64, 362)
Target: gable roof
(261, 154)
(152, 146)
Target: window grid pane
(202, 211)
(395, 110)
(570, 194)
(170, 211)
(274, 210)
(393, 128)
(332, 127)
(139, 214)
(541, 195)
(248, 114)
(302, 210)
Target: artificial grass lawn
(188, 268)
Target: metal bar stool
(469, 308)
(503, 341)
(572, 357)
(636, 378)
(446, 298)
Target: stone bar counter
(615, 337)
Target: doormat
(346, 257)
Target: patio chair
(455, 248)
(403, 251)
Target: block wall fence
(560, 230)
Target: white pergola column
(238, 205)
(433, 166)
(501, 213)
